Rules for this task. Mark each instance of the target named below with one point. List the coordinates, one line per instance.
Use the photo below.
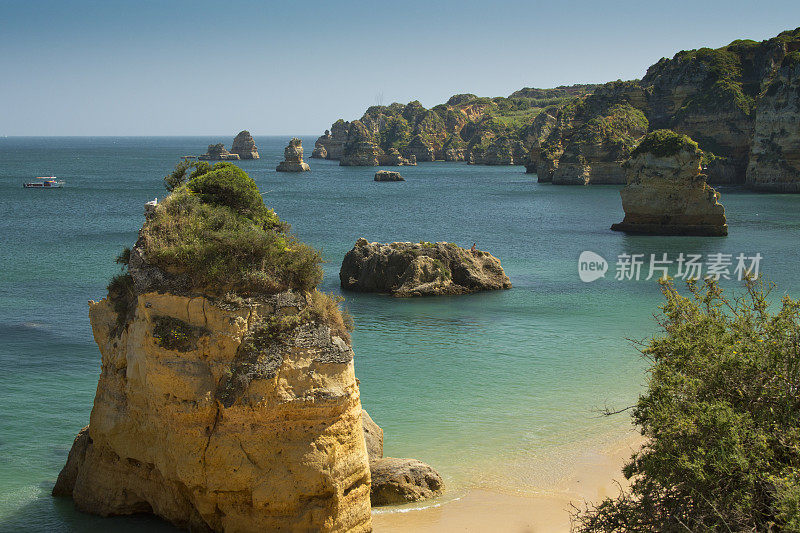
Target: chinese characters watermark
(716, 266)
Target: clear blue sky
(292, 67)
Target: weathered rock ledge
(666, 193)
(420, 269)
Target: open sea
(497, 389)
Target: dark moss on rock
(174, 334)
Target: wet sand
(594, 475)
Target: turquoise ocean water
(493, 389)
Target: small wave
(411, 509)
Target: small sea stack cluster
(293, 158)
(218, 152)
(243, 147)
(667, 193)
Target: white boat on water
(45, 182)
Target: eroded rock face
(501, 151)
(775, 152)
(420, 269)
(388, 175)
(223, 416)
(293, 158)
(420, 149)
(244, 146)
(373, 437)
(666, 194)
(217, 152)
(331, 144)
(396, 481)
(393, 158)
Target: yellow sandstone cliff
(220, 413)
(286, 453)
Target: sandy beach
(593, 476)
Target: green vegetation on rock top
(664, 143)
(215, 230)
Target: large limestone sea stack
(420, 269)
(293, 158)
(666, 192)
(227, 399)
(244, 146)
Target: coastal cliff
(227, 399)
(736, 102)
(775, 152)
(666, 193)
(465, 128)
(407, 269)
(727, 99)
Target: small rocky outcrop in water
(293, 158)
(217, 152)
(227, 399)
(244, 146)
(420, 269)
(396, 481)
(666, 193)
(388, 175)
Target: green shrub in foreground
(722, 420)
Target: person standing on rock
(473, 250)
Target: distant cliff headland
(740, 103)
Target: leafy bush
(179, 175)
(229, 186)
(664, 143)
(216, 231)
(722, 419)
